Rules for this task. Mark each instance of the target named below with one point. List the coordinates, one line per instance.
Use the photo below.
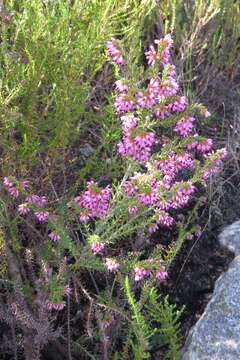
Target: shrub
(54, 248)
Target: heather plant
(54, 247)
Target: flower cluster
(11, 187)
(168, 179)
(111, 264)
(115, 52)
(94, 201)
(161, 55)
(185, 125)
(139, 147)
(42, 216)
(36, 203)
(54, 236)
(173, 164)
(32, 202)
(97, 247)
(215, 161)
(39, 201)
(161, 275)
(142, 272)
(24, 209)
(202, 146)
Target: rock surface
(216, 336)
(230, 237)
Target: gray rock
(230, 237)
(216, 336)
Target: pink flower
(152, 228)
(40, 201)
(68, 290)
(14, 192)
(220, 154)
(121, 87)
(112, 265)
(24, 209)
(145, 100)
(123, 103)
(168, 168)
(161, 275)
(184, 126)
(140, 273)
(183, 195)
(97, 247)
(42, 215)
(150, 96)
(94, 201)
(206, 113)
(203, 146)
(148, 198)
(163, 218)
(163, 54)
(161, 111)
(130, 188)
(77, 200)
(171, 70)
(168, 40)
(178, 105)
(183, 161)
(7, 182)
(139, 147)
(133, 210)
(169, 87)
(164, 204)
(151, 55)
(84, 215)
(114, 51)
(11, 187)
(56, 305)
(129, 122)
(54, 236)
(171, 166)
(33, 199)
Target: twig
(190, 252)
(69, 329)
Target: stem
(69, 329)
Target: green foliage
(52, 58)
(155, 322)
(225, 46)
(138, 318)
(206, 32)
(141, 329)
(117, 225)
(167, 317)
